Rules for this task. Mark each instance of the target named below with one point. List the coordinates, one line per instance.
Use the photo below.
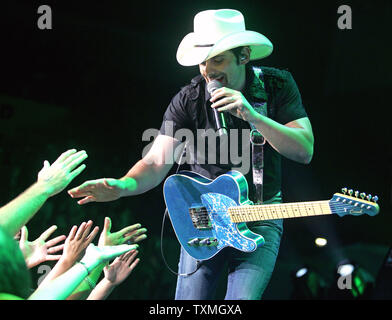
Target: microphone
(220, 121)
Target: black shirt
(190, 109)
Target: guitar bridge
(200, 218)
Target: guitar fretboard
(249, 213)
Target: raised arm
(293, 140)
(146, 174)
(61, 287)
(74, 247)
(52, 179)
(130, 234)
(115, 274)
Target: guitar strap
(257, 141)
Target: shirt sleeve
(289, 105)
(176, 115)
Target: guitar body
(197, 208)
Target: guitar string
(335, 207)
(335, 203)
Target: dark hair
(15, 278)
(237, 52)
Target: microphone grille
(213, 85)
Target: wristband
(84, 265)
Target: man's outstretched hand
(100, 190)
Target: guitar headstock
(353, 203)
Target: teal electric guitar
(209, 215)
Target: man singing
(254, 99)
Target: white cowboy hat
(216, 31)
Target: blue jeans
(248, 274)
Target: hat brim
(189, 55)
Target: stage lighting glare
(352, 282)
(307, 284)
(320, 242)
(301, 272)
(345, 269)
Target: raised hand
(97, 255)
(62, 285)
(100, 190)
(77, 242)
(74, 249)
(233, 101)
(54, 178)
(121, 267)
(39, 251)
(130, 234)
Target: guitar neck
(249, 213)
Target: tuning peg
(350, 192)
(362, 195)
(369, 197)
(375, 198)
(344, 190)
(356, 193)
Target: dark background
(107, 71)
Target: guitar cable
(198, 263)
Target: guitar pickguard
(223, 229)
